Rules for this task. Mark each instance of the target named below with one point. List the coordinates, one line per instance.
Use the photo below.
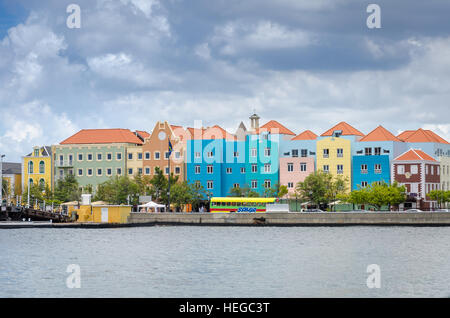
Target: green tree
(396, 194)
(321, 188)
(88, 189)
(144, 184)
(35, 194)
(67, 190)
(244, 192)
(6, 189)
(198, 195)
(377, 195)
(118, 190)
(159, 183)
(442, 197)
(181, 193)
(337, 187)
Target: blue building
(369, 169)
(216, 164)
(220, 164)
(302, 145)
(372, 156)
(262, 164)
(427, 141)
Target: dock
(19, 213)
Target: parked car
(313, 210)
(442, 210)
(414, 210)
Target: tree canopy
(377, 195)
(321, 188)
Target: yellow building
(334, 156)
(37, 168)
(103, 213)
(12, 174)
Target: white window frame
(303, 166)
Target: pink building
(294, 170)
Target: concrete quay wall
(293, 219)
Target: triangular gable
(346, 129)
(380, 134)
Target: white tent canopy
(150, 205)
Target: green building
(95, 155)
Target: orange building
(156, 150)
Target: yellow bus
(239, 205)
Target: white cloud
(128, 66)
(442, 130)
(33, 124)
(238, 36)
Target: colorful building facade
(94, 155)
(297, 159)
(37, 168)
(420, 174)
(12, 173)
(445, 173)
(156, 150)
(372, 157)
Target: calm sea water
(226, 262)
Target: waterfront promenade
(294, 219)
(259, 219)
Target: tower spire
(254, 121)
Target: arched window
(30, 167)
(42, 184)
(30, 183)
(41, 167)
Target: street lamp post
(1, 179)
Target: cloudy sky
(308, 64)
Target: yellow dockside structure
(103, 213)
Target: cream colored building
(445, 173)
(134, 161)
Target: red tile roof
(217, 132)
(274, 127)
(421, 135)
(214, 132)
(347, 130)
(404, 135)
(143, 134)
(102, 136)
(436, 137)
(196, 132)
(306, 135)
(380, 134)
(414, 155)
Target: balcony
(63, 163)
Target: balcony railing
(64, 163)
